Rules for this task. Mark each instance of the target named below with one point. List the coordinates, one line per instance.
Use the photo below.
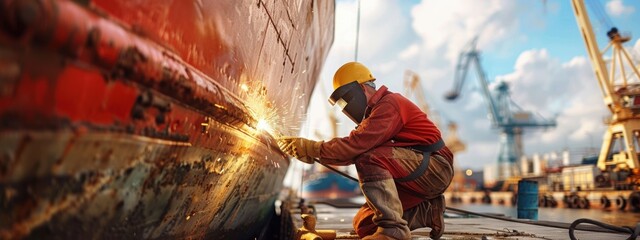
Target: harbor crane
(504, 113)
(413, 89)
(618, 158)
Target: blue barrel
(528, 199)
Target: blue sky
(552, 26)
(535, 46)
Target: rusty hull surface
(138, 119)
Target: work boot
(382, 198)
(436, 217)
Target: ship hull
(126, 119)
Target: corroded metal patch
(124, 119)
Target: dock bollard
(528, 199)
(308, 230)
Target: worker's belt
(426, 158)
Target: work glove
(303, 149)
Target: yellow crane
(618, 157)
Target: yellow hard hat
(349, 72)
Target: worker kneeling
(402, 163)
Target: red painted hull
(139, 119)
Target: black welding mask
(350, 97)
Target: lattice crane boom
(621, 94)
(503, 111)
(412, 87)
(505, 115)
(466, 58)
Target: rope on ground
(497, 234)
(634, 232)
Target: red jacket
(391, 120)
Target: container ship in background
(151, 119)
(323, 184)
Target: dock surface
(338, 217)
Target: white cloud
(635, 51)
(449, 25)
(382, 23)
(382, 26)
(537, 82)
(427, 39)
(410, 52)
(540, 81)
(617, 8)
(374, 33)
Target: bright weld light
(264, 126)
(261, 110)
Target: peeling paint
(124, 119)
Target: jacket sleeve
(383, 123)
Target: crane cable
(602, 16)
(357, 33)
(603, 227)
(634, 232)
